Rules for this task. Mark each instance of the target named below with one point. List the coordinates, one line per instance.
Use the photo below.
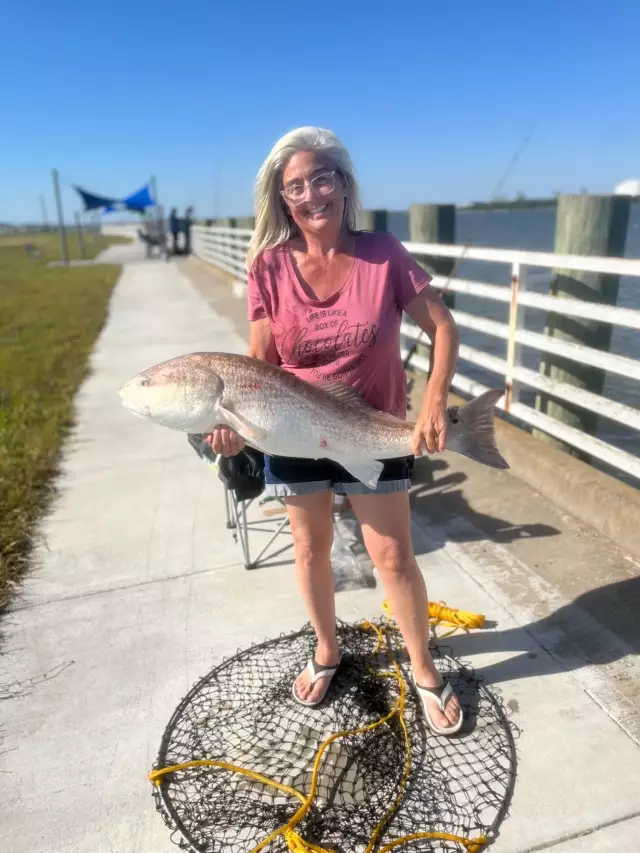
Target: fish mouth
(136, 408)
(145, 416)
(140, 411)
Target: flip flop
(316, 672)
(442, 695)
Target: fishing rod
(492, 197)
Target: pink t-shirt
(354, 336)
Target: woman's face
(313, 192)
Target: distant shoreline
(516, 204)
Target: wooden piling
(433, 223)
(585, 225)
(373, 220)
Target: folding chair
(154, 236)
(242, 477)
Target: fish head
(182, 394)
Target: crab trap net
(243, 767)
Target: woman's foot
(310, 693)
(440, 703)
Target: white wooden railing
(226, 248)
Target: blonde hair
(273, 224)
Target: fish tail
(478, 436)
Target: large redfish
(282, 415)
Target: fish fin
(367, 472)
(478, 433)
(241, 425)
(347, 394)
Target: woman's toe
(451, 715)
(441, 720)
(302, 688)
(453, 712)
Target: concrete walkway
(138, 590)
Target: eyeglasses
(322, 184)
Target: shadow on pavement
(434, 497)
(572, 635)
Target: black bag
(243, 473)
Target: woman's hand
(431, 426)
(225, 441)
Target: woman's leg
(311, 522)
(386, 527)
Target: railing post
(585, 225)
(226, 222)
(246, 222)
(197, 242)
(516, 322)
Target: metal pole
(45, 217)
(154, 195)
(63, 234)
(79, 235)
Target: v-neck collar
(303, 288)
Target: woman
(326, 302)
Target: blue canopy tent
(140, 200)
(92, 201)
(137, 202)
(153, 230)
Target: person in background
(174, 227)
(188, 221)
(326, 303)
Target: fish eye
(144, 382)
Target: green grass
(49, 320)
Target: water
(534, 230)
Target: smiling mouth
(314, 211)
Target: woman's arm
(261, 342)
(429, 312)
(261, 346)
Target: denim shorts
(284, 476)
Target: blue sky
(432, 100)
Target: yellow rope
(473, 845)
(438, 613)
(155, 776)
(298, 845)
